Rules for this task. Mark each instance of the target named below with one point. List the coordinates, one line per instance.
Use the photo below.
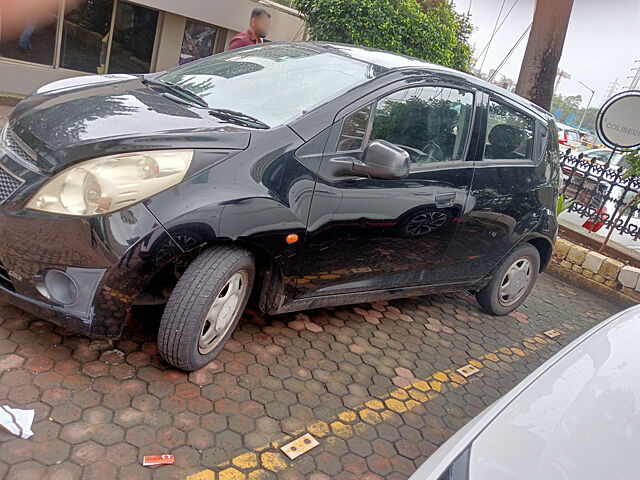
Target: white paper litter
(17, 421)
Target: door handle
(445, 200)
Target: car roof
(399, 62)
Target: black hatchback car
(311, 174)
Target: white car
(602, 155)
(568, 137)
(577, 417)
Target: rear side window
(509, 134)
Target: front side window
(431, 123)
(509, 134)
(354, 130)
(274, 84)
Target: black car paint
(254, 187)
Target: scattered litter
(552, 333)
(152, 460)
(299, 446)
(17, 421)
(115, 351)
(467, 370)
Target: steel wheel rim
(426, 223)
(223, 312)
(515, 282)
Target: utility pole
(593, 92)
(613, 88)
(635, 79)
(544, 49)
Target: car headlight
(107, 184)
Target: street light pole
(588, 104)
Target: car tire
(205, 306)
(512, 281)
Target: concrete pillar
(170, 41)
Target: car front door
(371, 234)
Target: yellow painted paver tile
(441, 376)
(421, 385)
(395, 405)
(231, 474)
(347, 416)
(318, 429)
(273, 461)
(246, 460)
(342, 430)
(203, 475)
(375, 404)
(369, 416)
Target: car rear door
(510, 190)
(371, 234)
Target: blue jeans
(25, 37)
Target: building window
(85, 36)
(133, 39)
(32, 41)
(198, 41)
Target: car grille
(12, 143)
(8, 185)
(5, 280)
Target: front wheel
(512, 282)
(205, 307)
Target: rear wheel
(205, 307)
(512, 282)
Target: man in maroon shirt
(259, 26)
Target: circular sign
(618, 121)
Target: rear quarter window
(510, 134)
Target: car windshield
(274, 84)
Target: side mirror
(581, 156)
(568, 152)
(384, 160)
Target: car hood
(81, 118)
(577, 416)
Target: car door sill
(332, 300)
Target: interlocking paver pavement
(375, 383)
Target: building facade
(118, 36)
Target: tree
(544, 49)
(431, 30)
(571, 105)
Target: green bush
(430, 30)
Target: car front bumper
(109, 258)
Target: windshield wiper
(175, 88)
(226, 114)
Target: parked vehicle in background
(589, 140)
(575, 417)
(602, 156)
(313, 174)
(568, 137)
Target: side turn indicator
(292, 238)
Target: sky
(602, 43)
